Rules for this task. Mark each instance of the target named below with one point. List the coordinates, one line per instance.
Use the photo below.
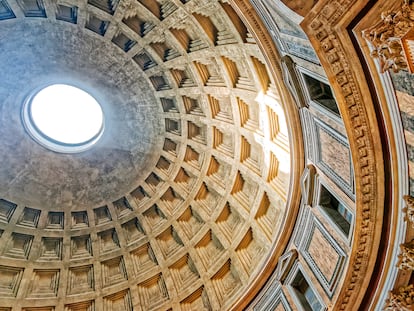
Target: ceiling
(181, 202)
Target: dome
(184, 190)
(247, 155)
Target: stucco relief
(403, 300)
(409, 209)
(388, 37)
(406, 257)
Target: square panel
(114, 271)
(19, 246)
(6, 11)
(67, 13)
(44, 284)
(81, 306)
(333, 156)
(81, 280)
(10, 278)
(29, 217)
(51, 249)
(118, 301)
(6, 209)
(153, 292)
(81, 247)
(32, 8)
(323, 254)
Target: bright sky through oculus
(66, 114)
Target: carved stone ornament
(409, 209)
(406, 258)
(389, 37)
(403, 301)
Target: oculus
(63, 118)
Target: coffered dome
(250, 155)
(181, 203)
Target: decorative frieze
(391, 38)
(409, 209)
(403, 300)
(406, 258)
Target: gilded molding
(387, 37)
(326, 27)
(406, 258)
(403, 300)
(409, 209)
